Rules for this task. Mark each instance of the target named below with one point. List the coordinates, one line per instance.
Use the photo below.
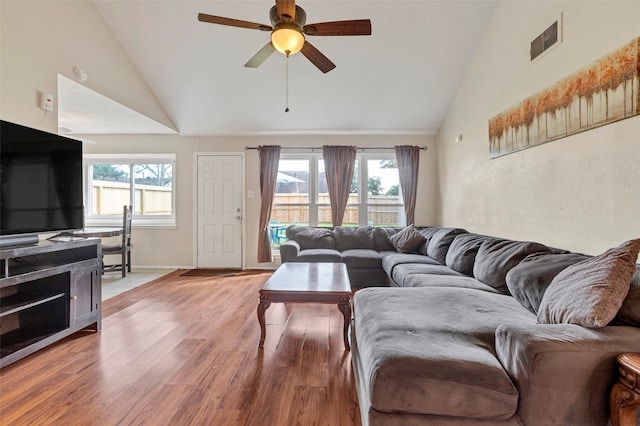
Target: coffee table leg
(262, 307)
(624, 406)
(345, 308)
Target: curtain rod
(319, 148)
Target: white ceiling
(400, 80)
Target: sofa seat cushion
(391, 259)
(401, 272)
(362, 258)
(319, 255)
(429, 280)
(431, 350)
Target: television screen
(40, 181)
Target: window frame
(363, 193)
(363, 176)
(312, 205)
(138, 220)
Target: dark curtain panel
(339, 162)
(269, 159)
(408, 158)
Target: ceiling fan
(288, 32)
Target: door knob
(238, 209)
(238, 217)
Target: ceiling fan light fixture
(287, 39)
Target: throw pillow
(591, 292)
(528, 280)
(407, 240)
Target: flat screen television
(40, 182)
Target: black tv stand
(47, 292)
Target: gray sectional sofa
(361, 248)
(452, 333)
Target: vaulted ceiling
(400, 80)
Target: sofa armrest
(289, 251)
(563, 372)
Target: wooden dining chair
(123, 248)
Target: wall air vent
(545, 40)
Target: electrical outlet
(46, 101)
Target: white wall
(580, 193)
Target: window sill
(166, 223)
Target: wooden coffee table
(307, 283)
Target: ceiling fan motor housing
(300, 19)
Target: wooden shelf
(20, 302)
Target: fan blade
(286, 7)
(261, 56)
(339, 28)
(203, 17)
(317, 58)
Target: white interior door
(219, 211)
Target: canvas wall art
(599, 94)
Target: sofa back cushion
(293, 230)
(629, 313)
(353, 237)
(462, 252)
(428, 232)
(316, 238)
(529, 279)
(381, 238)
(438, 244)
(497, 256)
(311, 238)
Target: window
(302, 198)
(145, 182)
(293, 189)
(382, 204)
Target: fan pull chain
(286, 76)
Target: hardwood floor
(184, 351)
